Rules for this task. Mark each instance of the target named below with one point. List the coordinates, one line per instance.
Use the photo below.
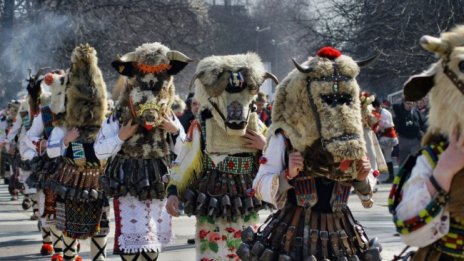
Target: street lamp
(276, 44)
(259, 30)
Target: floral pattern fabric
(218, 239)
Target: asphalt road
(20, 239)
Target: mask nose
(235, 111)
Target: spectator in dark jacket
(410, 126)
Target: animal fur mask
(55, 82)
(330, 78)
(85, 93)
(149, 90)
(443, 81)
(227, 86)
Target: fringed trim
(139, 249)
(188, 164)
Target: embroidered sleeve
(35, 133)
(55, 147)
(419, 217)
(108, 142)
(267, 182)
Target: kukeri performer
(136, 137)
(81, 207)
(427, 200)
(216, 166)
(315, 154)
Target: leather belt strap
(350, 232)
(342, 235)
(324, 234)
(333, 235)
(314, 233)
(306, 232)
(278, 233)
(291, 231)
(270, 227)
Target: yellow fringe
(188, 164)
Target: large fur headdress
(227, 86)
(85, 93)
(317, 106)
(443, 81)
(148, 89)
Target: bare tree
(394, 27)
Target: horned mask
(227, 86)
(149, 89)
(443, 81)
(317, 106)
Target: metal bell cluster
(224, 206)
(141, 178)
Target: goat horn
(128, 57)
(302, 68)
(192, 81)
(368, 60)
(271, 76)
(434, 44)
(178, 56)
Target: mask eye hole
(461, 66)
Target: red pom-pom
(329, 52)
(376, 173)
(78, 258)
(262, 160)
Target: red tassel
(329, 52)
(78, 258)
(262, 160)
(376, 173)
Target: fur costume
(39, 123)
(81, 208)
(316, 112)
(214, 172)
(444, 83)
(138, 169)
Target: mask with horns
(317, 106)
(149, 89)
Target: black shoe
(191, 241)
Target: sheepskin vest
(144, 144)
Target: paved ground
(20, 240)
